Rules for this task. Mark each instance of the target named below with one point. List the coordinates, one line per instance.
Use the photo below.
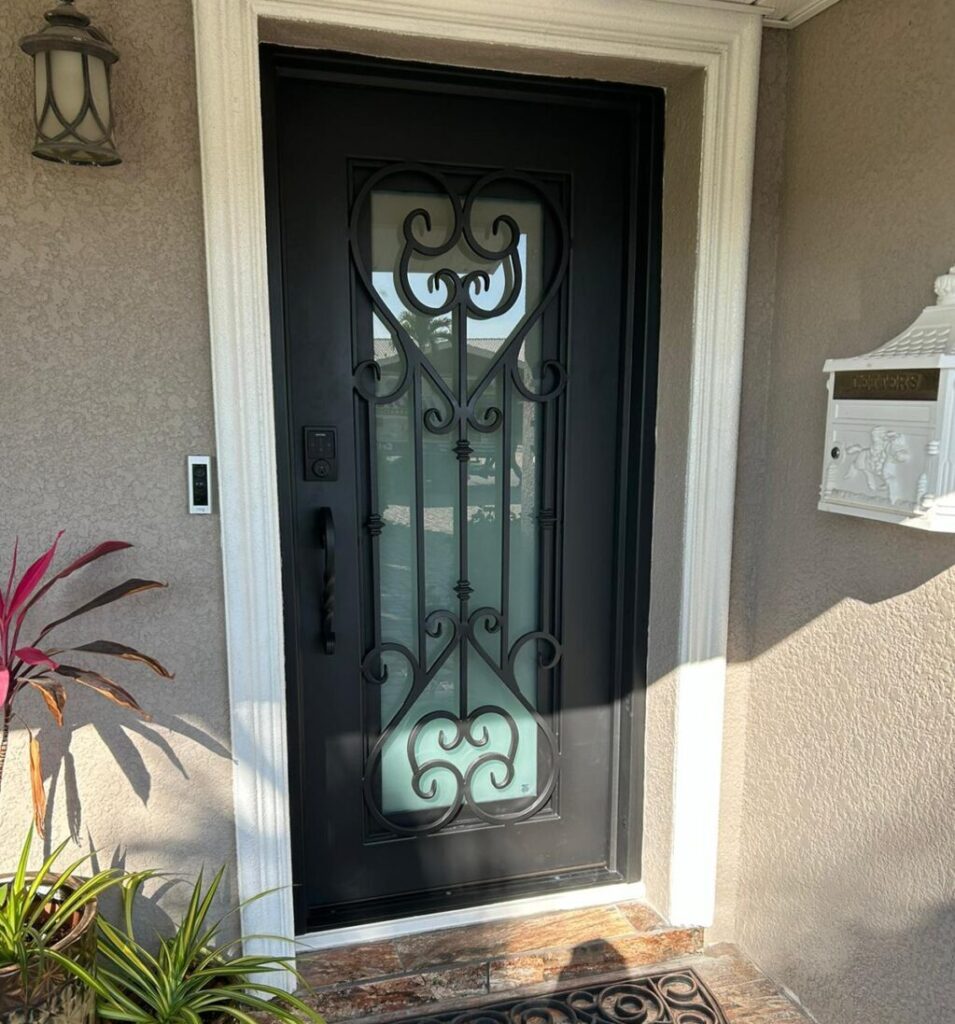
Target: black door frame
(635, 430)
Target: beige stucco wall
(103, 282)
(106, 388)
(838, 779)
(104, 279)
(846, 859)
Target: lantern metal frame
(70, 30)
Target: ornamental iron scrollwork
(455, 408)
(462, 403)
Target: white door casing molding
(723, 44)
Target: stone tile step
(744, 994)
(598, 957)
(489, 959)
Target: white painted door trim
(725, 45)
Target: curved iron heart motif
(461, 411)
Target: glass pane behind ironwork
(436, 336)
(456, 409)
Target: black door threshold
(459, 898)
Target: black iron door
(463, 278)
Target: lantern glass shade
(73, 111)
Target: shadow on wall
(843, 559)
(60, 768)
(155, 789)
(864, 936)
(896, 956)
(115, 769)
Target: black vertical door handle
(326, 541)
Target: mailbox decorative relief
(890, 431)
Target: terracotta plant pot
(53, 995)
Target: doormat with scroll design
(673, 997)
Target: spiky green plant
(37, 909)
(191, 977)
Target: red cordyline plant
(37, 666)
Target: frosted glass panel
(457, 462)
(67, 72)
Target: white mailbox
(890, 432)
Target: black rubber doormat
(674, 997)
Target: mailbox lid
(928, 344)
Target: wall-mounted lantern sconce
(71, 65)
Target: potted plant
(45, 916)
(37, 666)
(189, 977)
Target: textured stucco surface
(846, 885)
(107, 387)
(839, 780)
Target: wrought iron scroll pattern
(676, 997)
(461, 628)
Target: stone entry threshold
(486, 962)
(456, 970)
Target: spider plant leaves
(30, 921)
(88, 888)
(88, 977)
(103, 685)
(133, 970)
(131, 886)
(34, 906)
(115, 650)
(137, 966)
(121, 590)
(191, 978)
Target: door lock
(321, 453)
